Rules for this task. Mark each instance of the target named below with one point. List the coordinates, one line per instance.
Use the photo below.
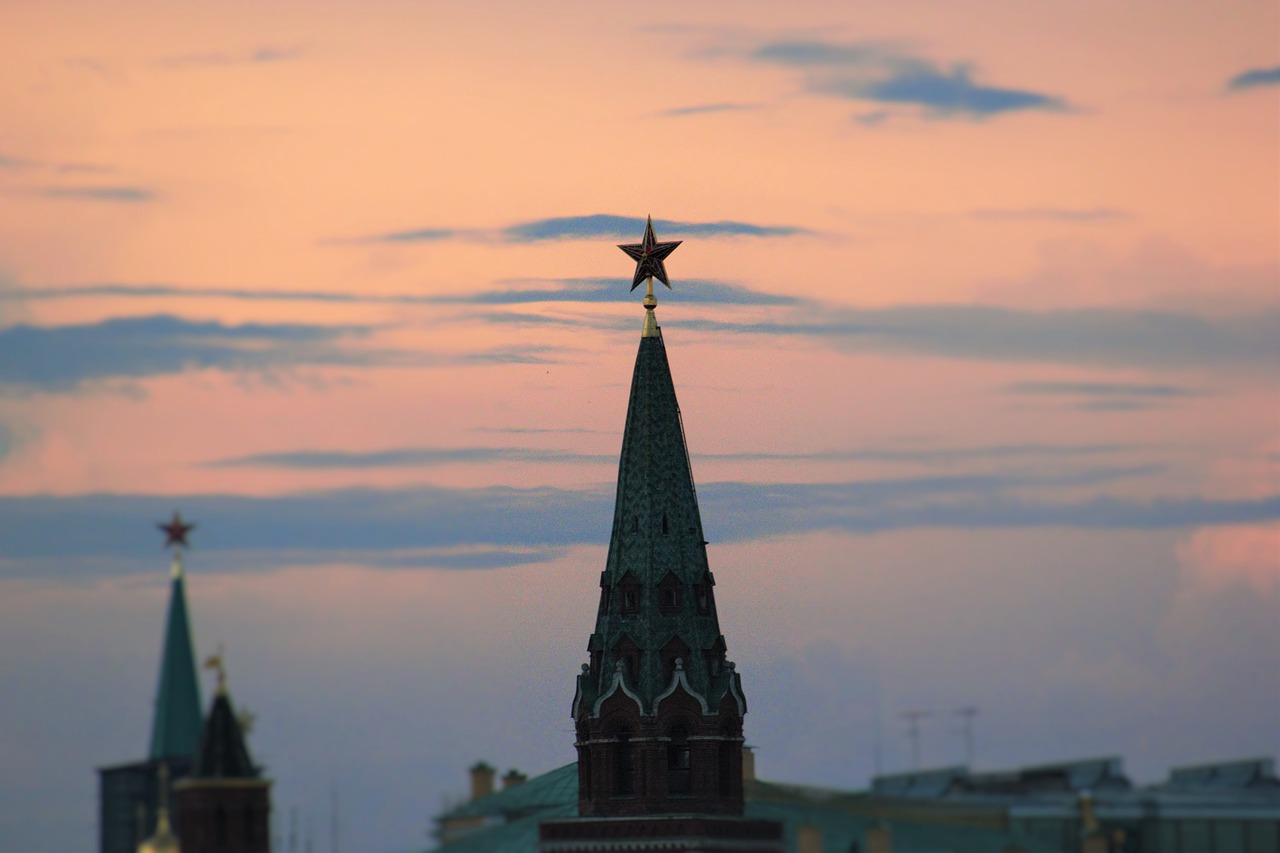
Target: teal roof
(512, 817)
(175, 730)
(657, 541)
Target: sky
(975, 329)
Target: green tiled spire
(656, 600)
(175, 731)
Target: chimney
(514, 777)
(481, 780)
(748, 763)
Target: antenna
(913, 719)
(966, 715)
(334, 847)
(293, 829)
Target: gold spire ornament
(163, 841)
(215, 662)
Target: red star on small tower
(176, 531)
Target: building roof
(657, 544)
(223, 753)
(507, 821)
(175, 728)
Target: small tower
(128, 792)
(224, 805)
(658, 708)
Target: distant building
(129, 794)
(198, 791)
(1074, 807)
(658, 715)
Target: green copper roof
(175, 731)
(656, 575)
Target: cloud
(1254, 78)
(586, 227)
(16, 163)
(259, 55)
(1051, 214)
(1158, 340)
(120, 194)
(402, 457)
(604, 290)
(1101, 389)
(372, 526)
(172, 291)
(61, 358)
(704, 109)
(883, 73)
(7, 441)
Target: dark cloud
(375, 526)
(60, 358)
(1097, 337)
(7, 441)
(1254, 78)
(885, 74)
(600, 290)
(625, 227)
(1101, 389)
(172, 291)
(15, 163)
(703, 109)
(258, 55)
(120, 194)
(1051, 214)
(591, 226)
(402, 457)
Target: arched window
(679, 774)
(249, 835)
(624, 766)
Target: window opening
(679, 776)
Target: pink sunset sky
(975, 327)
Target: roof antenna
(913, 719)
(966, 730)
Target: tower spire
(658, 688)
(175, 728)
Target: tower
(130, 794)
(658, 708)
(224, 804)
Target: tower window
(630, 600)
(704, 599)
(669, 599)
(665, 527)
(624, 766)
(679, 776)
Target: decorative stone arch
(675, 649)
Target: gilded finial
(215, 662)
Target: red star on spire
(176, 531)
(649, 255)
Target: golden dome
(164, 841)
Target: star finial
(175, 532)
(649, 255)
